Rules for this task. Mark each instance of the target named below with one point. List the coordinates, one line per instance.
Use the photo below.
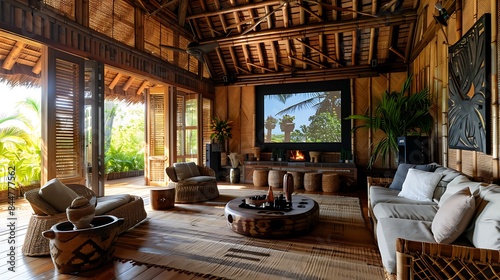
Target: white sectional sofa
(429, 222)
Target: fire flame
(297, 155)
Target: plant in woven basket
(221, 130)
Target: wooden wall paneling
(247, 120)
(362, 103)
(379, 85)
(234, 115)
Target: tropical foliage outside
(20, 137)
(323, 126)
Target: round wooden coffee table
(271, 223)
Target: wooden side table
(162, 198)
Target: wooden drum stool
(162, 198)
(330, 182)
(275, 178)
(260, 177)
(298, 179)
(312, 181)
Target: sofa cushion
(381, 194)
(485, 228)
(402, 171)
(405, 211)
(389, 229)
(457, 184)
(453, 216)
(186, 170)
(57, 194)
(198, 179)
(420, 185)
(110, 202)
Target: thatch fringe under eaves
(20, 75)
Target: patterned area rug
(195, 238)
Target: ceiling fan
(197, 50)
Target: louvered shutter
(156, 138)
(62, 112)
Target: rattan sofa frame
(45, 216)
(423, 260)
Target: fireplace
(296, 155)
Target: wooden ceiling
(270, 41)
(274, 41)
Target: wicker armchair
(196, 188)
(45, 216)
(421, 260)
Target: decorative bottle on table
(288, 187)
(270, 195)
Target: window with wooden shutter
(157, 153)
(62, 107)
(67, 120)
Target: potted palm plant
(397, 114)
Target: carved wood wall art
(469, 99)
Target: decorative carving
(469, 89)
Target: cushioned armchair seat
(128, 207)
(193, 183)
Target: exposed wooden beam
(320, 52)
(234, 58)
(11, 59)
(309, 61)
(142, 87)
(274, 55)
(183, 6)
(260, 53)
(37, 68)
(115, 81)
(261, 67)
(236, 9)
(128, 83)
(314, 29)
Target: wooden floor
(43, 268)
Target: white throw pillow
(57, 194)
(453, 217)
(420, 185)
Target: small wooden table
(272, 223)
(162, 198)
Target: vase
(288, 187)
(234, 175)
(80, 213)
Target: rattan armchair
(45, 216)
(192, 190)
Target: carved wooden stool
(162, 198)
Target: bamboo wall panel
(234, 115)
(362, 96)
(247, 119)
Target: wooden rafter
(261, 67)
(115, 81)
(308, 61)
(321, 53)
(11, 59)
(128, 83)
(142, 87)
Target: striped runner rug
(195, 238)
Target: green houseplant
(397, 114)
(221, 131)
